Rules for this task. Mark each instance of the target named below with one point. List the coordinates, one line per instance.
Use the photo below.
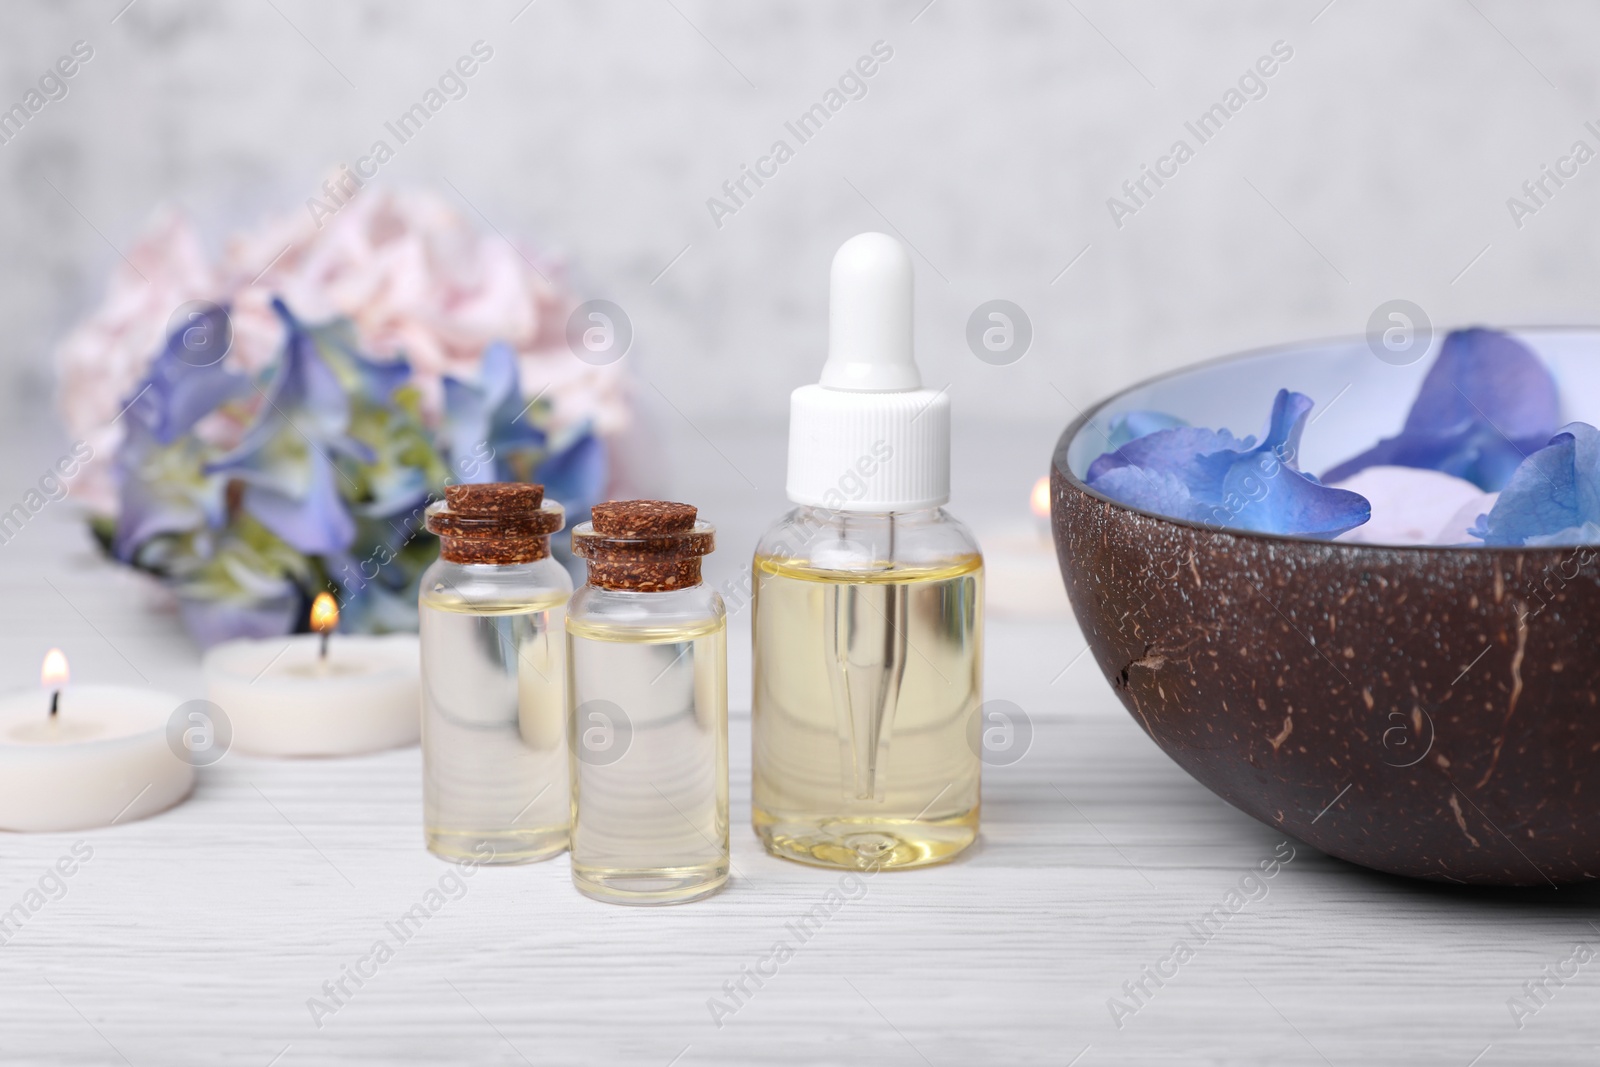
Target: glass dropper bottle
(868, 621)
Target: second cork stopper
(646, 546)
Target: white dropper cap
(870, 317)
(868, 437)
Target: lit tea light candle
(324, 620)
(1022, 580)
(318, 694)
(1039, 504)
(75, 757)
(53, 675)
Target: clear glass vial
(494, 760)
(868, 622)
(647, 709)
(868, 660)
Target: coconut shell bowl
(1422, 710)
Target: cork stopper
(494, 498)
(495, 523)
(643, 546)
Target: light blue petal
(1131, 425)
(576, 475)
(486, 423)
(163, 489)
(1272, 498)
(1179, 450)
(1485, 375)
(176, 393)
(1212, 477)
(315, 522)
(1486, 402)
(1151, 490)
(1553, 497)
(1587, 534)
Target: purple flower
(1212, 477)
(287, 456)
(163, 489)
(1553, 498)
(1486, 403)
(163, 485)
(485, 424)
(1131, 425)
(576, 474)
(244, 582)
(178, 393)
(366, 380)
(377, 578)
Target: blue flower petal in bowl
(1212, 477)
(1486, 403)
(1554, 496)
(1133, 424)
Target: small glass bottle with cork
(647, 708)
(494, 753)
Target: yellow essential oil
(647, 708)
(495, 776)
(649, 793)
(865, 688)
(494, 751)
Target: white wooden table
(198, 936)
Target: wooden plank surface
(198, 936)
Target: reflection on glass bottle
(647, 706)
(493, 678)
(866, 682)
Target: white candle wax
(283, 699)
(102, 758)
(1021, 577)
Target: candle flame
(324, 614)
(1039, 499)
(53, 672)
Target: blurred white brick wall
(1377, 165)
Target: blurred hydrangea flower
(325, 486)
(165, 487)
(415, 279)
(489, 439)
(1553, 498)
(1486, 402)
(483, 421)
(286, 460)
(299, 457)
(576, 474)
(248, 585)
(1212, 477)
